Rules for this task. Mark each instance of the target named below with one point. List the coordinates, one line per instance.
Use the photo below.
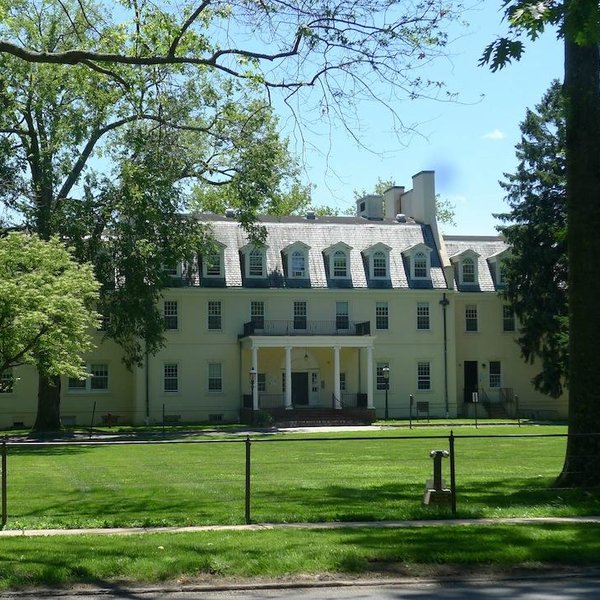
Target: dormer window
(378, 257)
(468, 270)
(255, 261)
(172, 269)
(466, 265)
(379, 264)
(420, 265)
(340, 264)
(298, 264)
(420, 261)
(296, 256)
(338, 257)
(212, 262)
(496, 263)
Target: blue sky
(469, 144)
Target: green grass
(292, 479)
(207, 556)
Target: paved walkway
(332, 525)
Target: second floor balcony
(302, 326)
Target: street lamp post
(386, 376)
(252, 376)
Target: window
(215, 377)
(423, 376)
(257, 314)
(342, 382)
(471, 318)
(298, 264)
(423, 316)
(170, 314)
(381, 315)
(171, 270)
(256, 263)
(468, 270)
(6, 381)
(340, 267)
(212, 264)
(495, 374)
(104, 323)
(170, 377)
(97, 379)
(341, 315)
(261, 382)
(299, 315)
(420, 265)
(508, 318)
(214, 314)
(382, 382)
(379, 264)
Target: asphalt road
(553, 588)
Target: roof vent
(310, 215)
(230, 213)
(400, 218)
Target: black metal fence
(119, 482)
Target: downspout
(444, 303)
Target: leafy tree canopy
(536, 268)
(47, 305)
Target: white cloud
(495, 134)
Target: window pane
(423, 315)
(341, 315)
(508, 318)
(261, 382)
(255, 263)
(212, 263)
(468, 270)
(99, 373)
(420, 262)
(170, 314)
(299, 315)
(471, 317)
(298, 264)
(339, 264)
(171, 377)
(215, 381)
(381, 315)
(7, 382)
(379, 265)
(495, 374)
(423, 376)
(214, 314)
(257, 314)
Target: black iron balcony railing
(305, 327)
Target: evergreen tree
(536, 270)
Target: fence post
(452, 473)
(163, 420)
(410, 407)
(92, 423)
(4, 515)
(517, 410)
(247, 496)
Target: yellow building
(372, 315)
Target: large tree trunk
(582, 64)
(48, 411)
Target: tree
(154, 132)
(578, 23)
(536, 226)
(47, 306)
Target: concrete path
(331, 525)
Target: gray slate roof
(320, 234)
(485, 246)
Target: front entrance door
(300, 389)
(471, 379)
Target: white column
(288, 377)
(255, 386)
(370, 403)
(337, 392)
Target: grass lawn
(209, 556)
(293, 479)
